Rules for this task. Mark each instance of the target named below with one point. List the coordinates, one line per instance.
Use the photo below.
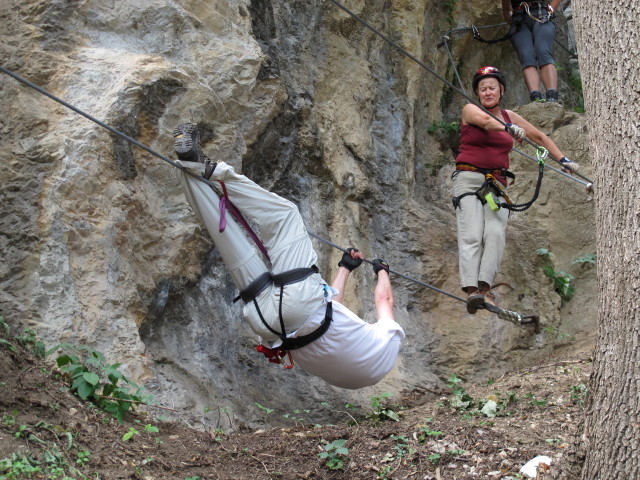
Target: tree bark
(608, 43)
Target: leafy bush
(95, 380)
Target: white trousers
(282, 231)
(481, 232)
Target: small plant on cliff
(586, 260)
(561, 280)
(96, 380)
(29, 340)
(446, 127)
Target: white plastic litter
(531, 467)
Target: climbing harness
(249, 294)
(276, 355)
(492, 189)
(281, 280)
(488, 193)
(543, 15)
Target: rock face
(100, 247)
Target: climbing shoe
(552, 95)
(475, 300)
(536, 96)
(185, 143)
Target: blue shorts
(532, 40)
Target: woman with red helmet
(483, 162)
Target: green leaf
(549, 271)
(63, 360)
(91, 378)
(83, 388)
(391, 414)
(107, 389)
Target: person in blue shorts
(532, 33)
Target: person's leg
(470, 228)
(281, 226)
(243, 261)
(543, 37)
(278, 220)
(238, 253)
(532, 80)
(522, 41)
(495, 225)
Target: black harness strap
(289, 277)
(476, 35)
(256, 287)
(304, 340)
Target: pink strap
(226, 204)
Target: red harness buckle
(276, 355)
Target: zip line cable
(390, 270)
(588, 185)
(440, 77)
(475, 28)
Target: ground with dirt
(47, 432)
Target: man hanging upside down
(286, 301)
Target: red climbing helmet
(488, 71)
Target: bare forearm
(339, 282)
(383, 296)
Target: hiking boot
(536, 96)
(185, 143)
(475, 300)
(489, 299)
(552, 95)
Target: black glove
(348, 261)
(379, 264)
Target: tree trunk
(608, 42)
